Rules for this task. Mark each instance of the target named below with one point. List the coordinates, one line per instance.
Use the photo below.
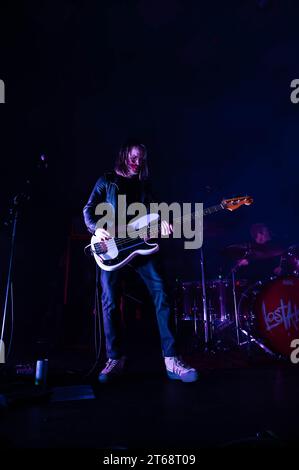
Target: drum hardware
(235, 307)
(218, 299)
(251, 252)
(228, 324)
(186, 305)
(189, 306)
(254, 252)
(195, 312)
(290, 261)
(191, 303)
(236, 319)
(206, 316)
(228, 311)
(236, 252)
(248, 321)
(251, 339)
(264, 314)
(176, 306)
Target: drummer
(264, 255)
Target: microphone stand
(14, 211)
(19, 199)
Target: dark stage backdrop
(205, 85)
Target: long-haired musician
(130, 178)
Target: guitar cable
(97, 326)
(97, 317)
(90, 251)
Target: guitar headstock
(236, 202)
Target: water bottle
(41, 372)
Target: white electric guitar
(114, 253)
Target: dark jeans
(149, 270)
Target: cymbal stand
(235, 307)
(206, 318)
(236, 314)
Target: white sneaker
(114, 368)
(177, 370)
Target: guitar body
(115, 253)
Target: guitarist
(130, 177)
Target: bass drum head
(274, 313)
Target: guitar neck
(154, 230)
(213, 209)
(207, 211)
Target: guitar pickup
(100, 248)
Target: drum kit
(229, 312)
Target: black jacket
(107, 189)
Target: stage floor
(229, 404)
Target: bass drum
(269, 311)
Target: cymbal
(266, 252)
(237, 251)
(254, 252)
